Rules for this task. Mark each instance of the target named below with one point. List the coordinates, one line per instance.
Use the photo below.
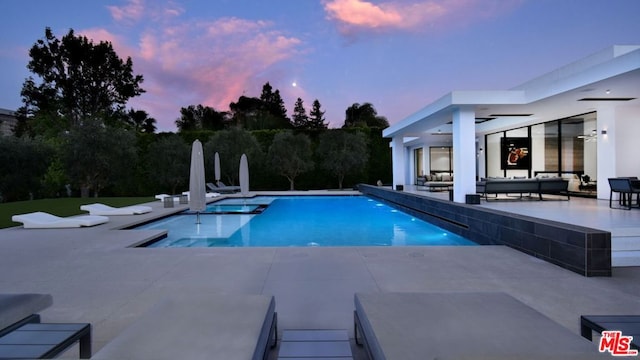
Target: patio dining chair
(624, 186)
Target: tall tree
(230, 145)
(246, 111)
(274, 106)
(364, 115)
(316, 116)
(96, 155)
(290, 155)
(266, 112)
(343, 153)
(167, 162)
(273, 102)
(300, 119)
(201, 118)
(140, 121)
(77, 81)
(23, 164)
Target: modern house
(581, 119)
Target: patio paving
(95, 276)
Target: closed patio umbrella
(197, 190)
(216, 166)
(244, 175)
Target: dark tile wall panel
(582, 250)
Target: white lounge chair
(220, 188)
(209, 195)
(43, 220)
(162, 196)
(102, 209)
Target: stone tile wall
(579, 249)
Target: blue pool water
(301, 221)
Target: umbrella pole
(198, 217)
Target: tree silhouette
(300, 119)
(364, 115)
(316, 116)
(77, 81)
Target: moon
(294, 84)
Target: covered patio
(606, 84)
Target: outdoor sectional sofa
(539, 186)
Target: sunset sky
(398, 55)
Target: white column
(398, 161)
(606, 149)
(464, 153)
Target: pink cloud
(362, 13)
(353, 16)
(204, 62)
(134, 10)
(119, 45)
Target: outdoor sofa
(437, 181)
(435, 177)
(539, 186)
(458, 325)
(209, 326)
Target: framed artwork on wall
(514, 153)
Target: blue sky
(398, 55)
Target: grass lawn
(61, 206)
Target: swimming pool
(300, 221)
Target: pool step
(315, 344)
(625, 247)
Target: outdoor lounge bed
(43, 220)
(205, 327)
(106, 210)
(408, 326)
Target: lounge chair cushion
(463, 325)
(203, 327)
(208, 195)
(43, 220)
(102, 209)
(15, 307)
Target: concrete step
(619, 243)
(625, 258)
(625, 247)
(315, 344)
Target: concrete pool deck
(95, 276)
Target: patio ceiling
(553, 96)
